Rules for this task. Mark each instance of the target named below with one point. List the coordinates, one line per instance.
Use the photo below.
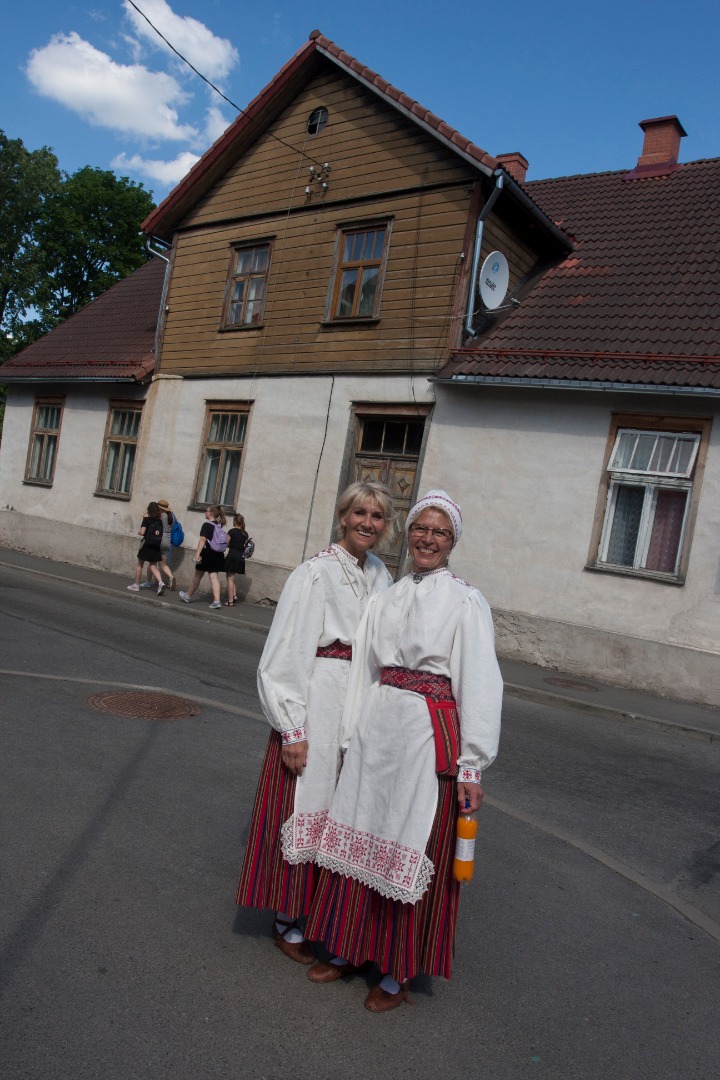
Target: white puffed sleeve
(288, 658)
(363, 673)
(477, 686)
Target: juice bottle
(464, 862)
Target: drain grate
(573, 684)
(143, 705)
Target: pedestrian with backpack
(150, 552)
(235, 558)
(209, 555)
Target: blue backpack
(177, 535)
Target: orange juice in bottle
(464, 861)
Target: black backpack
(154, 532)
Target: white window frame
(620, 472)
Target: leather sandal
(300, 951)
(380, 1001)
(323, 972)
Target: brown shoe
(322, 972)
(379, 1001)
(300, 951)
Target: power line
(215, 88)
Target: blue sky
(563, 82)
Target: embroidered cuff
(294, 735)
(469, 776)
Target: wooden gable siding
(370, 147)
(382, 167)
(423, 263)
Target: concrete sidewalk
(543, 685)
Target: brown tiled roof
(111, 338)
(270, 101)
(637, 301)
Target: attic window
(317, 121)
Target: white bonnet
(438, 500)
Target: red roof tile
(638, 300)
(111, 338)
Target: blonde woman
(208, 559)
(302, 680)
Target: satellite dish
(494, 280)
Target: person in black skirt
(207, 559)
(235, 559)
(150, 553)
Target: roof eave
(601, 385)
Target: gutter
(575, 384)
(70, 379)
(472, 288)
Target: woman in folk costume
(302, 679)
(386, 893)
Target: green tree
(89, 238)
(27, 179)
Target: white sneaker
(161, 588)
(145, 585)
(216, 604)
(133, 588)
(184, 597)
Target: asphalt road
(588, 945)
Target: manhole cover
(143, 705)
(573, 684)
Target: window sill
(124, 497)
(38, 483)
(642, 575)
(357, 321)
(233, 329)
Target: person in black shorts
(235, 558)
(207, 559)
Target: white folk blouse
(302, 695)
(383, 809)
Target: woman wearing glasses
(423, 659)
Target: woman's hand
(295, 757)
(470, 794)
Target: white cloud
(215, 124)
(167, 173)
(213, 56)
(121, 97)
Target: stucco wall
(524, 467)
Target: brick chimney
(515, 164)
(661, 147)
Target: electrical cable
(216, 89)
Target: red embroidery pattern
(294, 735)
(335, 651)
(309, 829)
(469, 776)
(437, 687)
(361, 851)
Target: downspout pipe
(494, 194)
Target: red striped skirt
(357, 923)
(266, 879)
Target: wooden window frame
(609, 482)
(212, 409)
(44, 434)
(124, 441)
(245, 245)
(343, 231)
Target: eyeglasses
(437, 534)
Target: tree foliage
(64, 239)
(27, 180)
(90, 238)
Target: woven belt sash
(335, 651)
(437, 691)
